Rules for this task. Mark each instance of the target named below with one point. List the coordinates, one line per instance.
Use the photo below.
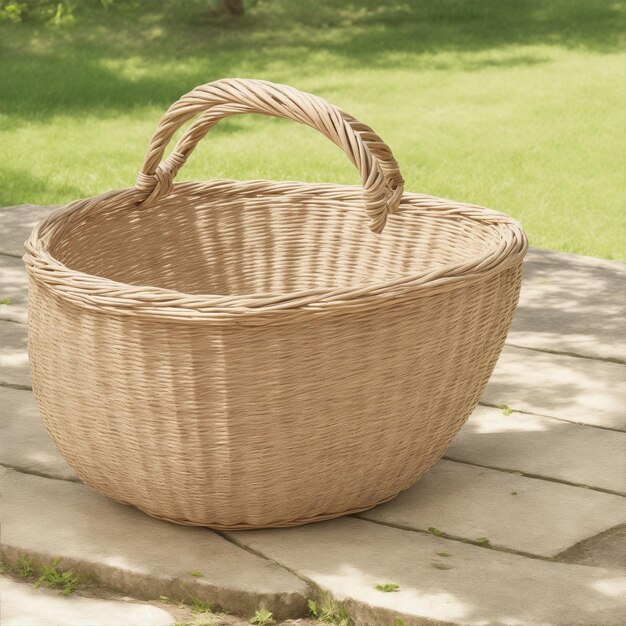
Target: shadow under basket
(248, 354)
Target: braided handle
(381, 179)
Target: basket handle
(381, 179)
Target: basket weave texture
(248, 354)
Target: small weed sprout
(387, 587)
(24, 566)
(262, 617)
(200, 606)
(444, 554)
(435, 531)
(482, 540)
(66, 581)
(195, 604)
(5, 301)
(506, 410)
(196, 573)
(330, 612)
(398, 622)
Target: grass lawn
(513, 104)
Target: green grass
(65, 580)
(262, 617)
(516, 105)
(329, 611)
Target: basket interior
(203, 243)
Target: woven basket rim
(110, 296)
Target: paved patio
(522, 522)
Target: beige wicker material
(248, 354)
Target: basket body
(290, 415)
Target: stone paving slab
(14, 367)
(581, 390)
(22, 605)
(16, 224)
(24, 441)
(13, 285)
(474, 586)
(127, 551)
(542, 446)
(524, 514)
(572, 303)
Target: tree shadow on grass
(14, 179)
(460, 26)
(109, 62)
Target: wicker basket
(247, 354)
